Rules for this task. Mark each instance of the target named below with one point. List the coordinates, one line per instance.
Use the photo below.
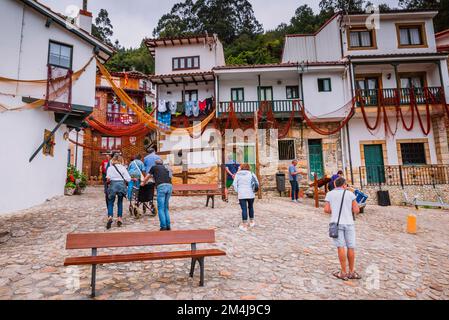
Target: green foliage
(75, 178)
(129, 59)
(229, 19)
(103, 29)
(441, 21)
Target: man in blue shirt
(150, 160)
(293, 177)
(232, 167)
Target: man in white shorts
(346, 228)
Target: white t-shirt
(334, 198)
(113, 175)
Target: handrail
(373, 97)
(253, 106)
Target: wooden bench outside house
(198, 190)
(95, 241)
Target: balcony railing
(278, 106)
(390, 97)
(423, 175)
(121, 119)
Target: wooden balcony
(281, 108)
(391, 97)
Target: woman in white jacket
(243, 185)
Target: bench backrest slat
(195, 187)
(138, 239)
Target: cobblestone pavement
(287, 256)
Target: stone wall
(424, 193)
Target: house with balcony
(110, 111)
(185, 91)
(47, 88)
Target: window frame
(265, 88)
(294, 149)
(108, 139)
(185, 63)
(242, 90)
(296, 90)
(424, 156)
(423, 35)
(195, 91)
(360, 29)
(50, 42)
(323, 89)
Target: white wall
(359, 132)
(208, 58)
(24, 55)
(27, 184)
(387, 40)
(173, 93)
(29, 59)
(73, 148)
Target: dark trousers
(295, 189)
(247, 205)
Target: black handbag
(333, 227)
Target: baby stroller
(142, 201)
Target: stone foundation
(425, 193)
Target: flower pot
(69, 191)
(79, 190)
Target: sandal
(340, 275)
(119, 224)
(354, 276)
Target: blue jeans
(164, 192)
(131, 186)
(111, 202)
(295, 189)
(247, 205)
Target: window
(191, 95)
(292, 92)
(408, 81)
(411, 35)
(60, 55)
(286, 150)
(324, 85)
(362, 39)
(238, 94)
(266, 93)
(413, 154)
(111, 143)
(186, 63)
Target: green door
(316, 158)
(374, 162)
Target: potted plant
(69, 189)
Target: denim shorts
(346, 237)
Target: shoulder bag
(333, 227)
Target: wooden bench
(95, 241)
(198, 190)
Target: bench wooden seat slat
(137, 239)
(140, 257)
(195, 187)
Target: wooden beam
(204, 79)
(174, 81)
(163, 81)
(193, 78)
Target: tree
(229, 19)
(304, 21)
(441, 21)
(103, 29)
(138, 59)
(341, 5)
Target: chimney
(84, 18)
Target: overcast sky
(134, 20)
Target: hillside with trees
(235, 23)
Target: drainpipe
(351, 71)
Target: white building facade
(34, 37)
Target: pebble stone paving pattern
(287, 256)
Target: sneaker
(119, 224)
(243, 228)
(163, 229)
(252, 224)
(109, 224)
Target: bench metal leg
(94, 275)
(192, 267)
(207, 201)
(213, 202)
(201, 261)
